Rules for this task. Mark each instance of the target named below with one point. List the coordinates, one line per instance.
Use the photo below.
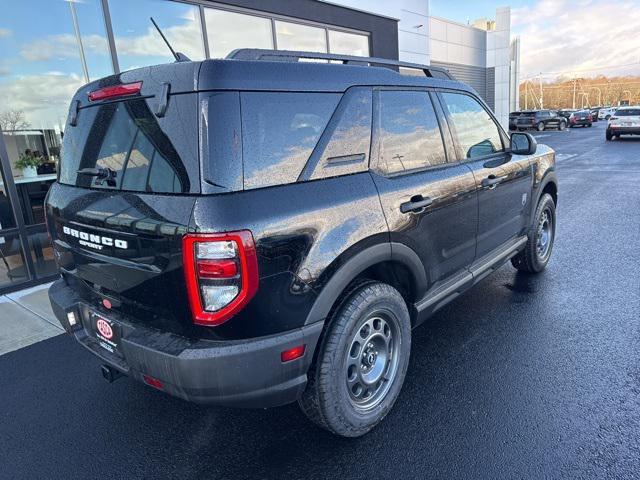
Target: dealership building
(45, 58)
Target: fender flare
(357, 264)
(549, 177)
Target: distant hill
(580, 92)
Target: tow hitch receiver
(110, 374)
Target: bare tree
(13, 120)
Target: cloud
(43, 98)
(185, 38)
(62, 46)
(5, 32)
(559, 37)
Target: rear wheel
(537, 251)
(608, 135)
(540, 126)
(562, 126)
(361, 363)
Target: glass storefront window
(12, 268)
(228, 31)
(348, 43)
(138, 43)
(293, 36)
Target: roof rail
(295, 56)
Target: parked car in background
(566, 113)
(580, 118)
(540, 120)
(606, 113)
(625, 121)
(513, 118)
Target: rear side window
(126, 139)
(279, 132)
(477, 133)
(409, 134)
(629, 112)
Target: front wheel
(537, 251)
(562, 126)
(540, 126)
(361, 363)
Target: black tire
(589, 125)
(536, 254)
(562, 126)
(608, 135)
(540, 126)
(607, 117)
(328, 400)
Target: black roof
(275, 71)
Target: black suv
(540, 120)
(260, 230)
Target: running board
(438, 298)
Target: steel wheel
(372, 361)
(544, 235)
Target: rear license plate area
(106, 332)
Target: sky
(564, 37)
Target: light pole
(76, 28)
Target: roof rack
(295, 56)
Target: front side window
(409, 134)
(279, 132)
(477, 133)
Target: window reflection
(348, 43)
(228, 31)
(279, 132)
(12, 268)
(139, 44)
(477, 133)
(409, 132)
(293, 36)
(123, 137)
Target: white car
(625, 121)
(606, 113)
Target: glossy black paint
(312, 237)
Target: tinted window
(346, 148)
(409, 132)
(125, 138)
(631, 112)
(279, 132)
(477, 133)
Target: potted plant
(28, 164)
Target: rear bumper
(246, 373)
(624, 130)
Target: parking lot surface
(521, 377)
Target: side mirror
(523, 144)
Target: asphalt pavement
(521, 377)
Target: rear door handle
(416, 204)
(491, 181)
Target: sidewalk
(25, 318)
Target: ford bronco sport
(261, 230)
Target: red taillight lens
(115, 91)
(153, 382)
(221, 272)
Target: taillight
(221, 272)
(115, 91)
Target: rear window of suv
(630, 112)
(143, 153)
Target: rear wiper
(102, 175)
